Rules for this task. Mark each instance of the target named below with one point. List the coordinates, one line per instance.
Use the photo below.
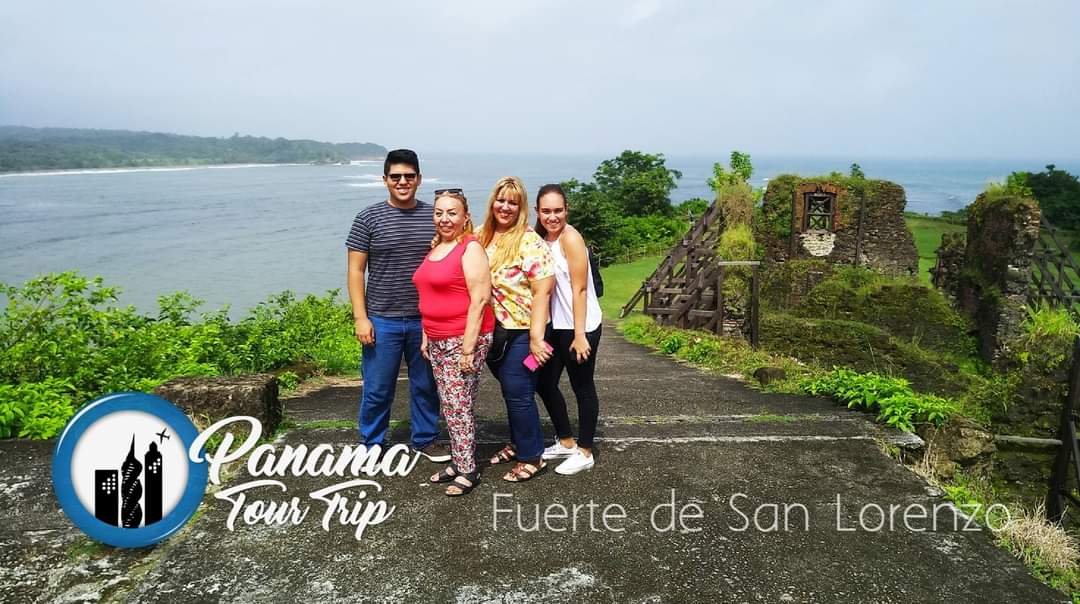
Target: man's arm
(365, 331)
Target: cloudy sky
(915, 78)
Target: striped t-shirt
(396, 242)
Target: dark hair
(401, 156)
(544, 190)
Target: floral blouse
(511, 295)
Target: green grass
(621, 281)
(928, 232)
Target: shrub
(637, 231)
(63, 339)
(35, 410)
(673, 343)
(737, 243)
(736, 203)
(897, 405)
(1046, 339)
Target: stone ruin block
(997, 271)
(945, 275)
(841, 221)
(209, 399)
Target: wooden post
(754, 288)
(647, 297)
(1059, 475)
(720, 301)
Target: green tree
(592, 213)
(740, 172)
(1058, 194)
(692, 207)
(857, 172)
(639, 183)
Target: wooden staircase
(686, 289)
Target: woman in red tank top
(454, 283)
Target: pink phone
(530, 361)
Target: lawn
(928, 232)
(621, 281)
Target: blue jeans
(396, 337)
(518, 387)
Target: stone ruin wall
(993, 284)
(887, 244)
(945, 275)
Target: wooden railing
(673, 266)
(1055, 277)
(699, 303)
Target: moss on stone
(902, 307)
(863, 347)
(781, 280)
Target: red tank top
(444, 296)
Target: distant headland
(25, 149)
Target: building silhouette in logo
(123, 504)
(106, 497)
(153, 484)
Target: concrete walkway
(720, 449)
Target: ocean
(235, 235)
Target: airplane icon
(162, 435)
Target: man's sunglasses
(410, 177)
(439, 192)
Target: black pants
(581, 381)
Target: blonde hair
(509, 244)
(468, 230)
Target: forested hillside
(23, 149)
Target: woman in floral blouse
(522, 276)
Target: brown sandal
(506, 454)
(524, 471)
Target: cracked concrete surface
(667, 430)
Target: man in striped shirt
(388, 241)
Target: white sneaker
(558, 451)
(575, 464)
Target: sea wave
(364, 185)
(365, 176)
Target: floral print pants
(457, 391)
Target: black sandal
(447, 474)
(472, 477)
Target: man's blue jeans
(396, 337)
(518, 387)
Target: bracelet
(463, 353)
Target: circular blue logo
(121, 469)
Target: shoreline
(169, 168)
